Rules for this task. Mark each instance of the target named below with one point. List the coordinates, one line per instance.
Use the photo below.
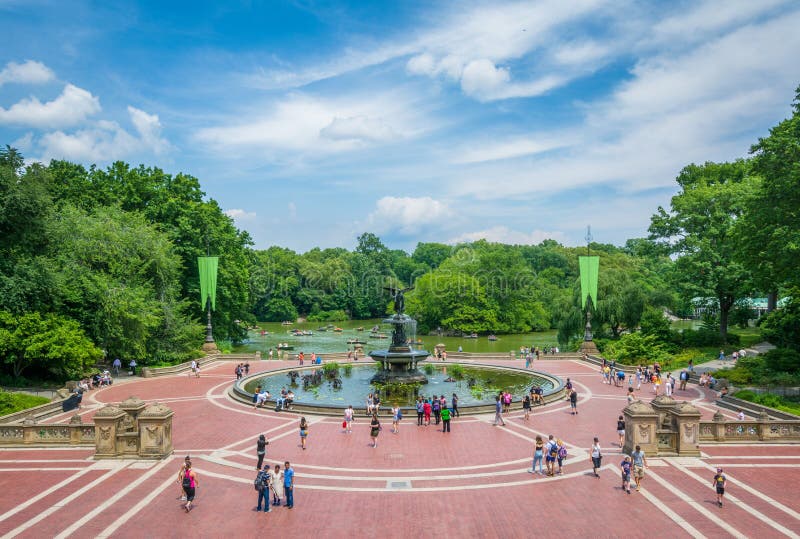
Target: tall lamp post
(589, 266)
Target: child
(719, 484)
(626, 474)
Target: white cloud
(407, 215)
(28, 72)
(580, 53)
(482, 79)
(358, 128)
(503, 234)
(105, 140)
(488, 150)
(240, 215)
(70, 108)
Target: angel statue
(399, 300)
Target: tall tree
(699, 229)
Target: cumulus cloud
(73, 106)
(105, 140)
(503, 234)
(358, 128)
(28, 72)
(239, 215)
(407, 215)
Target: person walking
(573, 402)
(454, 405)
(625, 466)
(719, 485)
(193, 369)
(639, 464)
(538, 453)
(396, 416)
(288, 484)
(181, 473)
(132, 366)
(621, 430)
(277, 485)
(116, 366)
(426, 410)
(445, 420)
(189, 484)
(498, 412)
(349, 414)
(597, 456)
(263, 480)
(374, 429)
(261, 450)
(526, 407)
(303, 432)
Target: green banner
(590, 266)
(208, 279)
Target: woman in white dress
(277, 485)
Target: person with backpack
(436, 405)
(420, 411)
(719, 485)
(562, 454)
(445, 420)
(261, 450)
(551, 454)
(262, 486)
(189, 485)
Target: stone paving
(472, 482)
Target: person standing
(597, 456)
(573, 402)
(189, 484)
(625, 466)
(538, 453)
(551, 454)
(562, 454)
(719, 485)
(395, 419)
(445, 420)
(420, 411)
(526, 407)
(277, 485)
(639, 464)
(288, 484)
(437, 409)
(193, 369)
(132, 365)
(498, 412)
(454, 405)
(426, 410)
(261, 450)
(621, 430)
(303, 432)
(374, 429)
(684, 377)
(349, 414)
(263, 480)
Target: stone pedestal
(641, 423)
(439, 349)
(75, 434)
(663, 406)
(210, 348)
(686, 419)
(133, 406)
(589, 348)
(719, 427)
(155, 432)
(106, 422)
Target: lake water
(328, 341)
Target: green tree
(699, 229)
(781, 327)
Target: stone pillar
(641, 422)
(155, 432)
(28, 430)
(106, 421)
(719, 427)
(663, 406)
(686, 419)
(763, 425)
(133, 406)
(75, 429)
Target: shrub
(347, 368)
(456, 371)
(330, 368)
(15, 402)
(428, 368)
(783, 360)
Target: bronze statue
(399, 299)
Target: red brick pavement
(471, 482)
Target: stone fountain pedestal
(400, 360)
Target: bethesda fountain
(400, 361)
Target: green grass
(15, 402)
(778, 402)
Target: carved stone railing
(31, 433)
(762, 430)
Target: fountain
(399, 362)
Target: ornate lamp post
(207, 266)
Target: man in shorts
(551, 454)
(719, 485)
(639, 464)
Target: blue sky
(311, 122)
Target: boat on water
(360, 328)
(378, 336)
(355, 341)
(471, 336)
(286, 323)
(285, 347)
(338, 330)
(492, 337)
(264, 332)
(322, 328)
